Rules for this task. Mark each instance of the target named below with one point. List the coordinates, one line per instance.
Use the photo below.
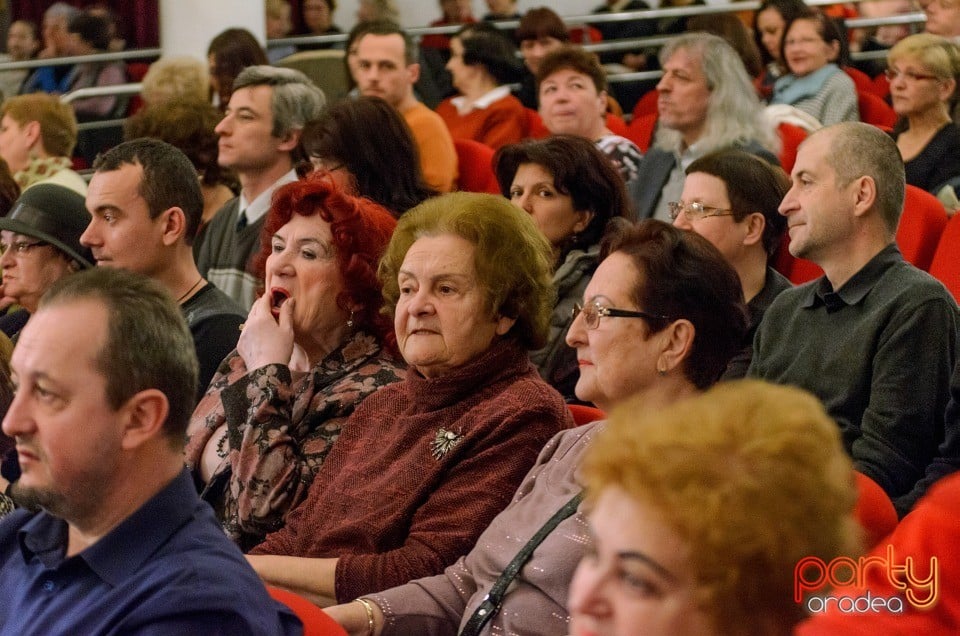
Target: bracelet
(369, 608)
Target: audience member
(571, 191)
(101, 9)
(923, 71)
(700, 513)
(454, 12)
(706, 103)
(317, 19)
(228, 54)
(260, 141)
(278, 25)
(376, 10)
(625, 29)
(189, 125)
(942, 18)
(146, 204)
(51, 79)
(313, 347)
(573, 101)
(730, 198)
(874, 338)
(541, 32)
(624, 349)
(483, 64)
(501, 10)
(812, 49)
(120, 535)
(368, 150)
(39, 245)
(768, 24)
(175, 78)
(89, 34)
(385, 65)
(880, 38)
(22, 45)
(37, 136)
(735, 32)
(423, 465)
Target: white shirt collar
(255, 209)
(483, 102)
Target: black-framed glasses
(893, 73)
(20, 247)
(696, 210)
(593, 312)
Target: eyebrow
(631, 555)
(436, 277)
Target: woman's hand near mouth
(265, 339)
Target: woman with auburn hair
(923, 71)
(424, 464)
(368, 149)
(38, 133)
(660, 318)
(700, 513)
(314, 345)
(571, 191)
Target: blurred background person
(768, 24)
(452, 12)
(923, 70)
(88, 35)
(367, 148)
(734, 31)
(22, 44)
(103, 10)
(813, 49)
(278, 25)
(483, 64)
(188, 124)
(38, 133)
(371, 10)
(39, 245)
(51, 79)
(313, 347)
(178, 77)
(230, 52)
(317, 19)
(571, 191)
(541, 31)
(423, 465)
(700, 512)
(573, 101)
(660, 319)
(880, 38)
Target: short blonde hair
(58, 123)
(176, 78)
(752, 476)
(513, 258)
(936, 54)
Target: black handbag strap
(492, 601)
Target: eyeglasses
(892, 74)
(20, 247)
(696, 210)
(593, 312)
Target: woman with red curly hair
(314, 345)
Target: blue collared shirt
(166, 569)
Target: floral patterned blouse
(279, 427)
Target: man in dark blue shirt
(106, 376)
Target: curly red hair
(361, 231)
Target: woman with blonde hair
(38, 133)
(179, 77)
(700, 513)
(923, 71)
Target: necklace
(187, 293)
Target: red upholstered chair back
(946, 259)
(875, 111)
(798, 270)
(476, 167)
(874, 510)
(616, 125)
(585, 35)
(585, 414)
(535, 127)
(790, 138)
(861, 80)
(315, 621)
(647, 105)
(921, 225)
(641, 129)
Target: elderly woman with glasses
(922, 70)
(660, 318)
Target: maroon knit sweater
(396, 503)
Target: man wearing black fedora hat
(39, 245)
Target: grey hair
(296, 99)
(734, 114)
(61, 10)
